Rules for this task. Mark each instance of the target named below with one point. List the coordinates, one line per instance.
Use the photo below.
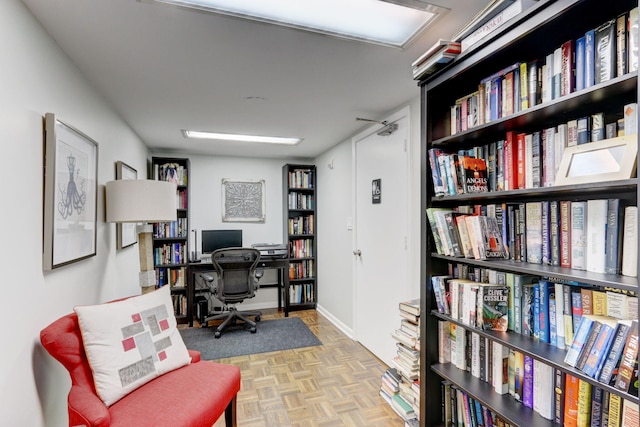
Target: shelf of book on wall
(170, 238)
(531, 224)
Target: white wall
(335, 209)
(38, 78)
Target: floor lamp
(143, 202)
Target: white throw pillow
(130, 342)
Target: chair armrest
(195, 356)
(86, 408)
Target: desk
(281, 264)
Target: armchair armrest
(195, 356)
(86, 408)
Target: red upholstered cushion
(192, 396)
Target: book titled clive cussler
(493, 301)
(475, 175)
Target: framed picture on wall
(70, 194)
(243, 200)
(125, 232)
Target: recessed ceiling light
(387, 22)
(241, 138)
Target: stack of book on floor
(441, 53)
(406, 402)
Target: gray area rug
(271, 335)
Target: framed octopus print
(70, 194)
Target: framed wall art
(125, 232)
(70, 194)
(243, 200)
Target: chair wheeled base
(231, 317)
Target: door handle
(357, 252)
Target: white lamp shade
(140, 200)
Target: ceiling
(165, 68)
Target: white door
(380, 254)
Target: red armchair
(192, 396)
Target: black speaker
(202, 308)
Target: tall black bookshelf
(531, 35)
(171, 239)
(300, 231)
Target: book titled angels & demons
(475, 175)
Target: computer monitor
(217, 239)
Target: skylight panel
(387, 22)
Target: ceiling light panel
(241, 138)
(387, 22)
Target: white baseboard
(337, 323)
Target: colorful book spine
(527, 389)
(615, 352)
(579, 339)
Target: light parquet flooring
(333, 385)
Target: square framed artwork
(243, 200)
(70, 194)
(125, 232)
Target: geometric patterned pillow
(130, 342)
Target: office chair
(238, 279)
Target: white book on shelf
(578, 235)
(630, 242)
(499, 362)
(596, 234)
(543, 386)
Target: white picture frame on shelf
(70, 194)
(243, 200)
(607, 160)
(125, 232)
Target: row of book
(302, 224)
(301, 178)
(170, 253)
(553, 394)
(597, 235)
(522, 160)
(577, 64)
(300, 201)
(541, 308)
(174, 277)
(179, 304)
(441, 53)
(301, 248)
(181, 199)
(464, 235)
(178, 228)
(302, 293)
(606, 349)
(301, 269)
(172, 172)
(401, 383)
(459, 409)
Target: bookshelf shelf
(512, 412)
(300, 230)
(533, 36)
(548, 354)
(558, 273)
